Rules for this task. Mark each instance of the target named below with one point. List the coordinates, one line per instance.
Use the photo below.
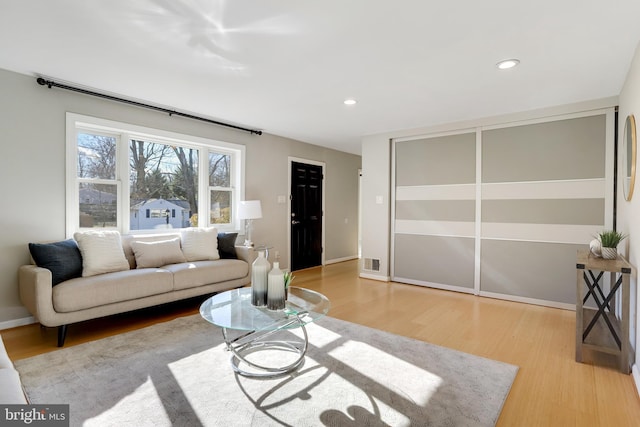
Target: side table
(600, 329)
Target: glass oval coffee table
(233, 312)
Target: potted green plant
(288, 278)
(610, 239)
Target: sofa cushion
(101, 252)
(157, 254)
(227, 245)
(198, 273)
(63, 259)
(87, 292)
(200, 244)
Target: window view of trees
(98, 191)
(220, 188)
(162, 177)
(163, 182)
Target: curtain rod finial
(43, 82)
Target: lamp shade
(250, 209)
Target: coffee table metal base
(253, 342)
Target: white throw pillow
(101, 252)
(157, 254)
(200, 244)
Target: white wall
(629, 212)
(32, 176)
(376, 182)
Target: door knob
(294, 222)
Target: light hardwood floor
(551, 389)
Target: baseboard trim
(8, 324)
(374, 277)
(636, 377)
(544, 303)
(433, 285)
(343, 259)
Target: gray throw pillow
(63, 259)
(227, 245)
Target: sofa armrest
(246, 254)
(36, 293)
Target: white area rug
(178, 374)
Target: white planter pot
(609, 253)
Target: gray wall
(32, 184)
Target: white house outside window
(136, 179)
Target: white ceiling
(285, 66)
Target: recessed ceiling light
(507, 63)
(350, 102)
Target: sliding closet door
(543, 198)
(501, 211)
(434, 211)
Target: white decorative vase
(609, 253)
(275, 294)
(596, 248)
(259, 280)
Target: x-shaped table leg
(601, 307)
(595, 282)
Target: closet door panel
(435, 211)
(435, 260)
(540, 271)
(543, 197)
(559, 150)
(435, 161)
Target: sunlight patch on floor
(373, 363)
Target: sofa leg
(62, 334)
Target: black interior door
(306, 215)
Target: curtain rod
(50, 84)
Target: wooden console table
(600, 329)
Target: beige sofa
(10, 386)
(85, 298)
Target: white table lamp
(249, 210)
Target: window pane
(98, 205)
(163, 184)
(96, 156)
(221, 212)
(219, 170)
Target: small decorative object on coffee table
(288, 278)
(259, 280)
(251, 326)
(275, 293)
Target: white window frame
(234, 170)
(124, 132)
